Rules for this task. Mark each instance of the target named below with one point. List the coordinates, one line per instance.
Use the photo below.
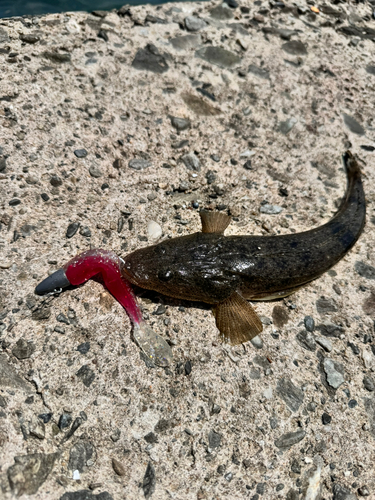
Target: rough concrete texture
(266, 114)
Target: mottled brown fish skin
(210, 267)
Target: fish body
(225, 270)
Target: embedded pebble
(154, 230)
(325, 343)
(193, 23)
(270, 209)
(334, 377)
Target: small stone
(150, 59)
(180, 123)
(326, 419)
(293, 396)
(186, 42)
(80, 455)
(221, 12)
(65, 421)
(86, 494)
(72, 229)
(86, 374)
(149, 481)
(325, 306)
(80, 153)
(352, 403)
(55, 181)
(365, 270)
(139, 164)
(353, 125)
(270, 209)
(309, 323)
(151, 438)
(214, 439)
(193, 23)
(29, 38)
(334, 377)
(295, 47)
(188, 367)
(29, 472)
(325, 343)
(36, 428)
(118, 467)
(85, 231)
(44, 196)
(84, 347)
(154, 230)
(257, 71)
(23, 349)
(45, 417)
(95, 172)
(342, 493)
(14, 202)
(42, 312)
(286, 126)
(191, 162)
(368, 383)
(218, 56)
(257, 342)
(289, 439)
(363, 491)
(247, 165)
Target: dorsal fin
(214, 222)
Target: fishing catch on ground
(227, 271)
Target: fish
(229, 271)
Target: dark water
(10, 8)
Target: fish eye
(165, 275)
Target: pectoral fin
(214, 222)
(237, 320)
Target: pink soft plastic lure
(108, 265)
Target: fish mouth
(129, 277)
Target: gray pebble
(289, 439)
(193, 23)
(180, 123)
(309, 323)
(191, 162)
(214, 439)
(334, 377)
(221, 12)
(55, 181)
(325, 343)
(150, 59)
(95, 172)
(295, 47)
(86, 374)
(86, 495)
(23, 349)
(186, 42)
(353, 125)
(29, 472)
(290, 394)
(79, 455)
(215, 157)
(257, 342)
(286, 126)
(363, 491)
(257, 71)
(72, 229)
(365, 270)
(342, 493)
(65, 421)
(80, 153)
(270, 209)
(149, 481)
(218, 56)
(2, 164)
(368, 383)
(139, 164)
(325, 306)
(85, 231)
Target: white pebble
(154, 230)
(76, 475)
